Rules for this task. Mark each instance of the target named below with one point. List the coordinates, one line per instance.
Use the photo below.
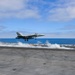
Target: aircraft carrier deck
(33, 61)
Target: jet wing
(40, 35)
(35, 35)
(29, 36)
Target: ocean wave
(38, 45)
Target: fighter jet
(27, 37)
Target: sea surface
(40, 40)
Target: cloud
(70, 34)
(2, 28)
(10, 5)
(12, 34)
(68, 27)
(63, 12)
(56, 10)
(28, 13)
(17, 9)
(7, 34)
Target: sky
(53, 18)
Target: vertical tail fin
(19, 34)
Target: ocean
(40, 40)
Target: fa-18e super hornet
(27, 37)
